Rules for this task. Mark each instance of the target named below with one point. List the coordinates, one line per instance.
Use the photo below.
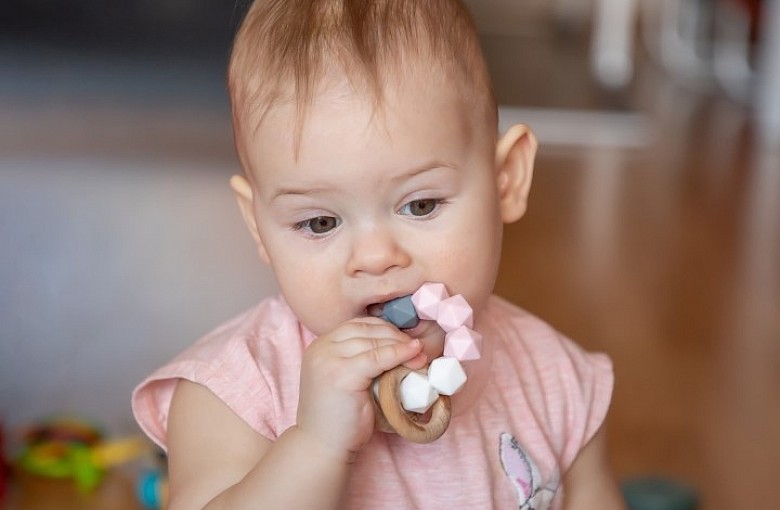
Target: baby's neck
(478, 373)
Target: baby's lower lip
(419, 328)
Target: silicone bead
(446, 375)
(463, 343)
(453, 313)
(400, 312)
(417, 394)
(427, 298)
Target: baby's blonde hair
(285, 48)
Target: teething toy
(463, 344)
(446, 375)
(392, 417)
(404, 396)
(427, 298)
(417, 394)
(401, 312)
(453, 313)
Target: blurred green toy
(68, 448)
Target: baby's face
(374, 206)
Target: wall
(108, 267)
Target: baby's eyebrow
(281, 192)
(423, 168)
(403, 176)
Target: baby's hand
(335, 405)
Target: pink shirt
(541, 400)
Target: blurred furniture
(768, 99)
(612, 45)
(733, 43)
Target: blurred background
(653, 231)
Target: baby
(367, 132)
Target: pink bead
(463, 344)
(453, 313)
(427, 298)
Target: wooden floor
(668, 258)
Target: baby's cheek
(478, 278)
(308, 299)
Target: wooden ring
(405, 423)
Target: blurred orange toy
(70, 448)
(3, 467)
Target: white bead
(446, 375)
(417, 394)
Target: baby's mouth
(398, 311)
(375, 310)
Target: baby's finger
(355, 346)
(367, 327)
(371, 363)
(417, 362)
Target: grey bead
(400, 312)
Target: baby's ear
(515, 154)
(245, 198)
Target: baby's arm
(217, 461)
(590, 483)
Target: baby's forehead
(339, 118)
(285, 104)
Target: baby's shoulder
(267, 326)
(517, 328)
(537, 351)
(549, 379)
(249, 363)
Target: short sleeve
(587, 382)
(251, 364)
(235, 381)
(567, 390)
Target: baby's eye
(422, 207)
(318, 225)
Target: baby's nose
(375, 252)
